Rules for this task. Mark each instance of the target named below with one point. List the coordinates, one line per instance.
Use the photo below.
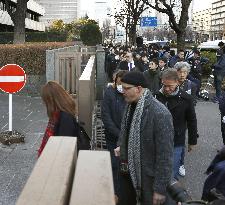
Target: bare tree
(18, 15)
(131, 10)
(106, 29)
(168, 7)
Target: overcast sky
(88, 5)
(202, 4)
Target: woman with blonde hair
(61, 111)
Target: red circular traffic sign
(12, 78)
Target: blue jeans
(218, 78)
(182, 156)
(177, 154)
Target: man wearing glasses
(181, 106)
(145, 145)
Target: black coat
(182, 109)
(222, 104)
(67, 125)
(153, 80)
(123, 65)
(113, 106)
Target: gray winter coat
(156, 147)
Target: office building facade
(217, 19)
(66, 10)
(32, 21)
(201, 24)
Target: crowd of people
(148, 106)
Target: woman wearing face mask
(152, 76)
(112, 112)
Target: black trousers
(128, 195)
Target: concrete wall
(51, 56)
(86, 96)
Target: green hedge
(31, 56)
(211, 55)
(7, 37)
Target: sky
(201, 4)
(88, 5)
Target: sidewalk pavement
(17, 160)
(29, 118)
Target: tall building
(66, 10)
(32, 21)
(201, 24)
(217, 19)
(102, 11)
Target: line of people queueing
(146, 112)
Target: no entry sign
(12, 78)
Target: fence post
(100, 73)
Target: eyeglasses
(127, 88)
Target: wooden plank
(51, 179)
(93, 183)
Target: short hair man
(163, 63)
(182, 109)
(146, 144)
(130, 63)
(152, 76)
(177, 58)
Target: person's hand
(191, 147)
(158, 199)
(117, 151)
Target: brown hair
(56, 98)
(120, 74)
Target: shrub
(91, 35)
(211, 55)
(30, 56)
(7, 37)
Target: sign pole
(10, 112)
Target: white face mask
(119, 88)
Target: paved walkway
(29, 117)
(17, 160)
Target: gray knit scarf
(132, 153)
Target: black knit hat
(134, 78)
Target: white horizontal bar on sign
(11, 79)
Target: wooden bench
(58, 178)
